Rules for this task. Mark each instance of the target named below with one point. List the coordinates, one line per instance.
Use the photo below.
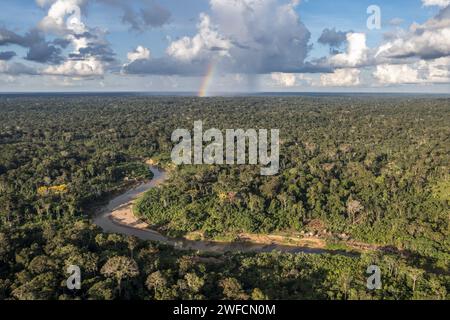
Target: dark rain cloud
(261, 48)
(39, 50)
(155, 15)
(166, 66)
(8, 37)
(63, 43)
(333, 38)
(150, 15)
(7, 55)
(171, 66)
(102, 52)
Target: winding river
(118, 217)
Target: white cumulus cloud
(436, 71)
(396, 74)
(64, 16)
(357, 52)
(89, 67)
(341, 78)
(429, 40)
(141, 53)
(267, 36)
(91, 53)
(43, 3)
(202, 45)
(239, 36)
(284, 79)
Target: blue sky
(248, 45)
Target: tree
(257, 294)
(155, 281)
(120, 268)
(5, 246)
(194, 282)
(103, 290)
(41, 287)
(345, 281)
(414, 274)
(232, 289)
(353, 208)
(132, 243)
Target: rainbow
(207, 80)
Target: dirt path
(118, 217)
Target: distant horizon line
(223, 94)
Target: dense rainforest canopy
(373, 169)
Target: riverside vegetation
(367, 169)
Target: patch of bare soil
(287, 240)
